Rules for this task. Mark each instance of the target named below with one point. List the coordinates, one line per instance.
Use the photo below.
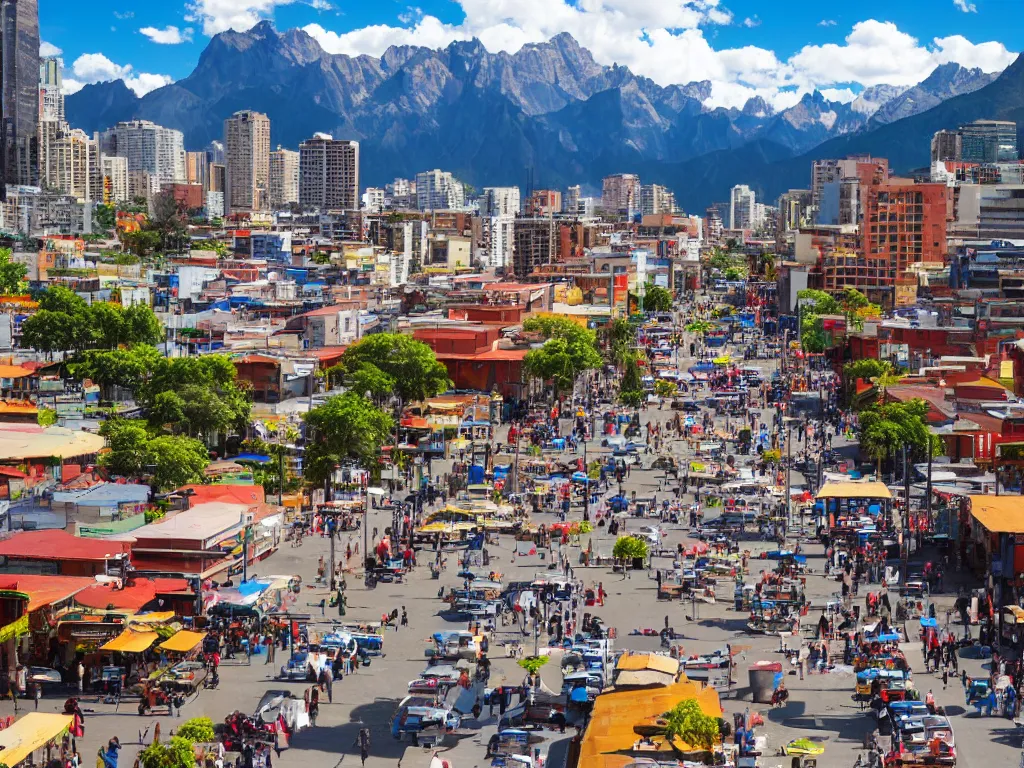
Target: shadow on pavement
(334, 739)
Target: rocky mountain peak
(757, 107)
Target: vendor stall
(35, 731)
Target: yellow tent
(33, 731)
(183, 642)
(131, 641)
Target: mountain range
(491, 118)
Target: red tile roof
(510, 355)
(45, 590)
(134, 596)
(231, 494)
(60, 545)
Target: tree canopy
(885, 428)
(569, 350)
(686, 722)
(410, 363)
(65, 322)
(657, 299)
(169, 460)
(630, 548)
(12, 274)
(346, 426)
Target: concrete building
(498, 240)
(197, 169)
(148, 147)
(989, 141)
(571, 199)
(51, 89)
(499, 201)
(218, 177)
(374, 199)
(72, 177)
(214, 205)
(741, 207)
(656, 199)
(535, 244)
(438, 190)
(115, 178)
(329, 174)
(543, 202)
(869, 170)
(284, 178)
(947, 146)
(620, 194)
(142, 184)
(272, 246)
(247, 161)
(794, 209)
(19, 93)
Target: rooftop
(58, 545)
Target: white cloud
(750, 23)
(827, 23)
(97, 68)
(48, 49)
(965, 6)
(124, 15)
(843, 95)
(221, 15)
(320, 5)
(168, 35)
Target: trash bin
(763, 675)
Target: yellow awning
(854, 490)
(183, 642)
(30, 733)
(156, 617)
(131, 641)
(998, 514)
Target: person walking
(364, 744)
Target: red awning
(12, 472)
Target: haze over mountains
(488, 117)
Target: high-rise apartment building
(284, 178)
(374, 199)
(19, 93)
(149, 148)
(218, 177)
(197, 169)
(247, 161)
(714, 225)
(498, 240)
(571, 199)
(741, 207)
(947, 146)
(794, 209)
(51, 89)
(656, 199)
(115, 179)
(72, 166)
(989, 141)
(329, 174)
(438, 190)
(499, 201)
(620, 193)
(535, 244)
(543, 202)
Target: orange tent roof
(45, 590)
(616, 714)
(231, 494)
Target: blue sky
(776, 50)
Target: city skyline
(742, 48)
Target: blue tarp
(105, 495)
(257, 457)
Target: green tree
(657, 299)
(48, 332)
(46, 417)
(217, 404)
(632, 398)
(532, 664)
(179, 752)
(820, 303)
(127, 440)
(569, 350)
(12, 274)
(127, 368)
(344, 427)
(105, 217)
(885, 428)
(621, 335)
(198, 730)
(106, 324)
(141, 325)
(170, 222)
(320, 257)
(370, 380)
(686, 722)
(411, 363)
(630, 548)
(177, 460)
(665, 388)
(553, 362)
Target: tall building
(535, 244)
(51, 89)
(329, 174)
(284, 178)
(904, 224)
(374, 199)
(247, 161)
(947, 146)
(438, 190)
(115, 179)
(713, 229)
(794, 209)
(656, 199)
(869, 170)
(498, 240)
(72, 177)
(989, 141)
(215, 152)
(741, 207)
(218, 177)
(197, 169)
(571, 200)
(19, 93)
(499, 201)
(620, 193)
(543, 202)
(149, 148)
